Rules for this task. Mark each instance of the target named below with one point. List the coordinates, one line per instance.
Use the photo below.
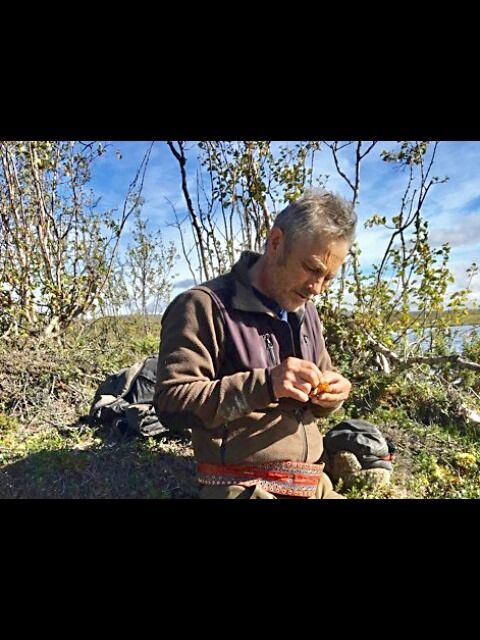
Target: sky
(452, 208)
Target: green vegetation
(67, 299)
(47, 451)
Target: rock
(345, 466)
(375, 477)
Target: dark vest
(259, 339)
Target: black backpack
(124, 400)
(363, 439)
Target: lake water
(459, 333)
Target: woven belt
(286, 478)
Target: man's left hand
(339, 390)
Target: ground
(48, 451)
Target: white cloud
(456, 229)
(452, 208)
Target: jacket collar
(244, 298)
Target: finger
(332, 389)
(306, 367)
(329, 400)
(333, 395)
(296, 394)
(331, 377)
(304, 386)
(310, 375)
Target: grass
(431, 461)
(47, 451)
(81, 464)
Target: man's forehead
(321, 252)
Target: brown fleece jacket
(218, 344)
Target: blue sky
(452, 208)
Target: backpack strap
(107, 400)
(132, 374)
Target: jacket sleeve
(324, 364)
(188, 391)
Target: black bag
(363, 439)
(125, 400)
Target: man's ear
(275, 241)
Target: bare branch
(405, 362)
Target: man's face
(303, 270)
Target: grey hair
(318, 212)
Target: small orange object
(323, 387)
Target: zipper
(299, 412)
(223, 444)
(269, 348)
(299, 416)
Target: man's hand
(339, 390)
(295, 378)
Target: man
(240, 355)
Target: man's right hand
(294, 378)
